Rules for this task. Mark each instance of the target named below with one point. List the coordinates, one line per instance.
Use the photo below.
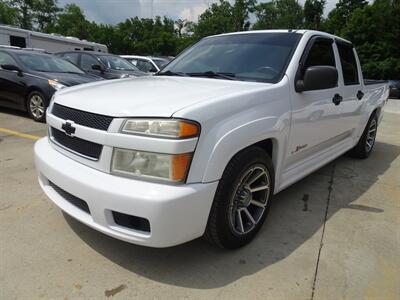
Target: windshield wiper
(212, 74)
(170, 73)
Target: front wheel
(242, 199)
(36, 106)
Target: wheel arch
(240, 139)
(31, 89)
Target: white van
(13, 36)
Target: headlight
(55, 84)
(170, 167)
(161, 128)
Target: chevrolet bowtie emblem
(68, 128)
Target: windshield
(47, 63)
(160, 62)
(252, 57)
(117, 63)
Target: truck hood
(155, 96)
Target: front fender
(238, 139)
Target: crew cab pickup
(200, 148)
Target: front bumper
(176, 213)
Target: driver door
(12, 86)
(315, 118)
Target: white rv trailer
(13, 36)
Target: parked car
(394, 86)
(148, 64)
(231, 121)
(28, 79)
(108, 66)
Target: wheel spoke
(257, 203)
(240, 221)
(252, 180)
(259, 188)
(248, 214)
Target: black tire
(221, 227)
(33, 107)
(366, 142)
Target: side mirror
(98, 68)
(317, 78)
(12, 68)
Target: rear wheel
(367, 141)
(36, 105)
(242, 200)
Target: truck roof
(300, 31)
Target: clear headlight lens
(170, 167)
(56, 85)
(161, 128)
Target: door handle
(337, 99)
(360, 95)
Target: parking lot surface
(333, 235)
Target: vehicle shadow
(297, 214)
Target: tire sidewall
(225, 192)
(366, 153)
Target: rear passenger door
(351, 86)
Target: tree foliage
(8, 14)
(224, 17)
(279, 14)
(313, 13)
(372, 27)
(339, 16)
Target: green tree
(375, 31)
(45, 14)
(25, 12)
(8, 15)
(340, 15)
(72, 22)
(223, 17)
(313, 13)
(279, 14)
(240, 12)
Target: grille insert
(83, 118)
(78, 145)
(78, 202)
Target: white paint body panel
(233, 115)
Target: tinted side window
(6, 59)
(71, 57)
(349, 64)
(320, 54)
(144, 65)
(87, 61)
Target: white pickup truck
(201, 147)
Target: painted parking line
(20, 134)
